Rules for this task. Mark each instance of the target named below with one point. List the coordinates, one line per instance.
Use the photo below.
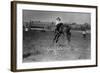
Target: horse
(62, 29)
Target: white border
(21, 65)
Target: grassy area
(38, 47)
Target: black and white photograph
(53, 36)
(56, 36)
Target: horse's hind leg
(58, 37)
(55, 37)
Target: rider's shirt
(59, 26)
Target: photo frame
(38, 43)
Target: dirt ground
(38, 46)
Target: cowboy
(59, 29)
